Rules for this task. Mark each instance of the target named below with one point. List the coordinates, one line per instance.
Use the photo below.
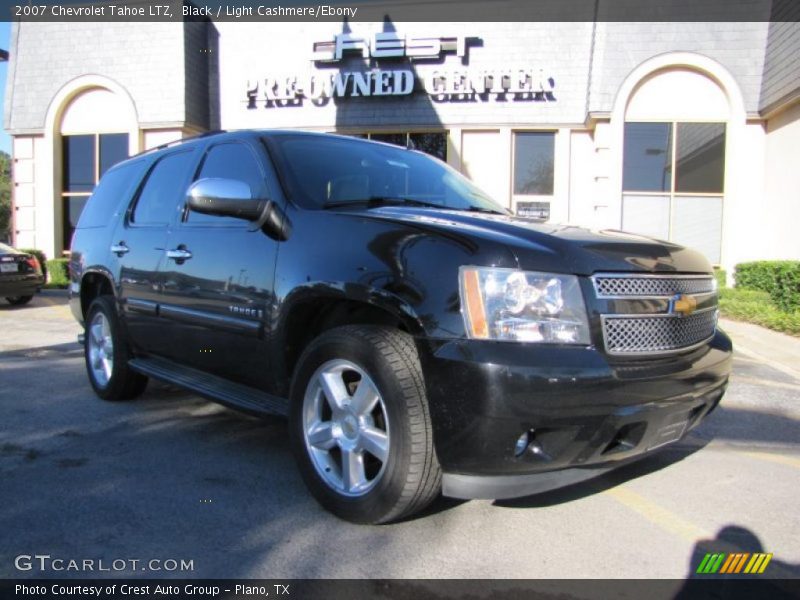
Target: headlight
(522, 306)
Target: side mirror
(225, 198)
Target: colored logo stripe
(711, 563)
(734, 563)
(758, 563)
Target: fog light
(522, 444)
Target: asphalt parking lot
(173, 476)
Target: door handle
(179, 254)
(120, 249)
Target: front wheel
(360, 426)
(107, 354)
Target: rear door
(218, 288)
(140, 242)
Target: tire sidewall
(105, 304)
(380, 499)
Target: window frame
(129, 222)
(64, 195)
(672, 193)
(548, 198)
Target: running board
(234, 395)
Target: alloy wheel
(345, 427)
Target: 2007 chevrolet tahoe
(420, 338)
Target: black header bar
(401, 10)
(716, 587)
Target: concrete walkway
(778, 350)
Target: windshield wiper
(374, 201)
(481, 209)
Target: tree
(5, 196)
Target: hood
(550, 247)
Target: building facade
(682, 131)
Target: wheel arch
(308, 313)
(95, 283)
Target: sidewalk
(778, 350)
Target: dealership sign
(441, 84)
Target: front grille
(654, 286)
(652, 324)
(635, 334)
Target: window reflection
(533, 162)
(700, 160)
(648, 157)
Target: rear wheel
(18, 300)
(360, 426)
(107, 354)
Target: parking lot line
(772, 457)
(658, 515)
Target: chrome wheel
(101, 349)
(345, 427)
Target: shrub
(755, 306)
(779, 278)
(722, 278)
(59, 272)
(40, 256)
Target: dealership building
(682, 131)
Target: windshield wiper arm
(481, 209)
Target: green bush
(756, 306)
(722, 278)
(59, 272)
(779, 278)
(40, 256)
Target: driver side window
(230, 160)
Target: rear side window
(114, 188)
(230, 161)
(164, 189)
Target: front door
(218, 279)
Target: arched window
(94, 136)
(674, 148)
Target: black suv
(420, 339)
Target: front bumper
(584, 414)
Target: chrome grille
(652, 325)
(653, 286)
(658, 333)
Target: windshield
(332, 171)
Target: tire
(408, 478)
(109, 373)
(19, 300)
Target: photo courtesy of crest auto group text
(376, 298)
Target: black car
(420, 338)
(20, 275)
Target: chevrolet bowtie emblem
(682, 304)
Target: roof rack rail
(180, 141)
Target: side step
(221, 390)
